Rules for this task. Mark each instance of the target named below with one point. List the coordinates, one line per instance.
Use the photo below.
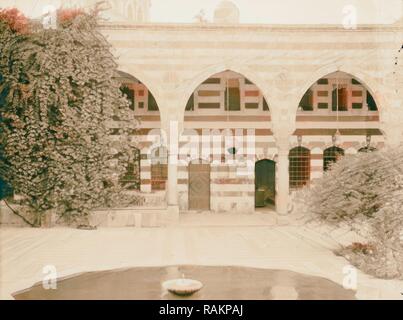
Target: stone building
(235, 116)
(233, 112)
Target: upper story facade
(280, 66)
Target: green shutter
(212, 81)
(152, 104)
(234, 95)
(334, 100)
(190, 106)
(307, 101)
(323, 105)
(371, 102)
(265, 105)
(209, 105)
(251, 105)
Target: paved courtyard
(25, 251)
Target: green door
(265, 183)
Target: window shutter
(152, 104)
(233, 96)
(190, 106)
(265, 105)
(371, 102)
(307, 101)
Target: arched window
(371, 102)
(159, 168)
(340, 92)
(299, 167)
(131, 179)
(306, 102)
(152, 104)
(226, 91)
(331, 155)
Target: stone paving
(24, 252)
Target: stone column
(283, 126)
(172, 178)
(282, 196)
(171, 125)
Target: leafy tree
(60, 100)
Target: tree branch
(19, 215)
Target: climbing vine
(58, 100)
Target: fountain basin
(219, 283)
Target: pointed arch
(191, 85)
(228, 90)
(372, 85)
(341, 89)
(139, 94)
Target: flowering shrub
(15, 20)
(66, 16)
(365, 191)
(58, 97)
(358, 247)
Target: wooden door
(199, 186)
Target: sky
(256, 11)
(282, 11)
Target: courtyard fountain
(182, 286)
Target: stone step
(208, 218)
(152, 216)
(130, 217)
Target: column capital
(282, 141)
(283, 151)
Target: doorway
(265, 183)
(199, 185)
